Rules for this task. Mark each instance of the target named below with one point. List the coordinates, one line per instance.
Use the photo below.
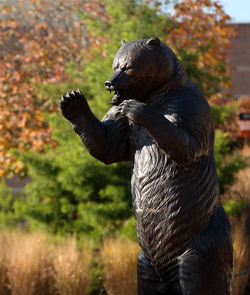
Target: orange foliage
(245, 104)
(202, 27)
(37, 39)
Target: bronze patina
(163, 124)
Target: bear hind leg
(201, 274)
(149, 281)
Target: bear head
(142, 68)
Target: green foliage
(128, 230)
(7, 199)
(70, 191)
(224, 113)
(227, 161)
(233, 207)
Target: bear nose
(108, 84)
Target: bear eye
(130, 72)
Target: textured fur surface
(163, 125)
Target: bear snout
(108, 84)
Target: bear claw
(63, 100)
(70, 97)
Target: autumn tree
(41, 41)
(200, 36)
(72, 191)
(37, 41)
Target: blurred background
(66, 224)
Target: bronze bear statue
(162, 123)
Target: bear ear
(123, 42)
(154, 41)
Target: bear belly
(171, 204)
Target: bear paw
(134, 110)
(73, 105)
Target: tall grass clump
(237, 203)
(119, 259)
(28, 264)
(240, 189)
(72, 267)
(241, 245)
(39, 264)
(3, 268)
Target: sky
(238, 10)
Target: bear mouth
(118, 97)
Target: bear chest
(145, 154)
(150, 166)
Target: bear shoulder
(187, 104)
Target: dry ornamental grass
(3, 267)
(71, 268)
(239, 191)
(120, 261)
(28, 264)
(32, 264)
(241, 254)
